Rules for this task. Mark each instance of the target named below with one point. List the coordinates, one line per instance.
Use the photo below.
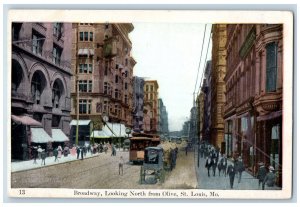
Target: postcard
(149, 104)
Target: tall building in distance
(40, 93)
(151, 113)
(163, 118)
(218, 71)
(103, 76)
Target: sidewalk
(248, 182)
(28, 164)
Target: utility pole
(77, 111)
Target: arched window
(56, 94)
(17, 75)
(36, 87)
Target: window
(271, 67)
(106, 68)
(85, 68)
(55, 95)
(126, 62)
(56, 54)
(81, 36)
(16, 27)
(90, 68)
(91, 36)
(86, 36)
(126, 85)
(151, 88)
(105, 88)
(126, 73)
(37, 87)
(147, 88)
(116, 108)
(57, 29)
(37, 43)
(126, 99)
(117, 79)
(105, 105)
(85, 86)
(85, 106)
(106, 26)
(90, 86)
(116, 93)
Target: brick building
(253, 110)
(151, 106)
(40, 93)
(103, 76)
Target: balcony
(268, 102)
(40, 28)
(110, 47)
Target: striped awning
(59, 136)
(39, 135)
(26, 120)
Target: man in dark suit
(231, 173)
(261, 173)
(208, 164)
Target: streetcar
(138, 143)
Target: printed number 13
(22, 192)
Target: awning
(26, 120)
(110, 130)
(80, 122)
(59, 136)
(272, 115)
(87, 52)
(38, 135)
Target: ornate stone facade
(41, 79)
(218, 71)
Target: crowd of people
(79, 151)
(215, 160)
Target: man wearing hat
(270, 178)
(261, 173)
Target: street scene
(133, 106)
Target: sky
(170, 53)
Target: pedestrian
(81, 152)
(39, 150)
(231, 174)
(84, 150)
(214, 165)
(59, 149)
(73, 150)
(66, 151)
(35, 154)
(186, 150)
(269, 179)
(121, 163)
(78, 152)
(261, 173)
(105, 148)
(55, 153)
(43, 156)
(222, 166)
(239, 168)
(208, 165)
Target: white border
(119, 16)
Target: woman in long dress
(59, 149)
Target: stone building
(163, 118)
(253, 110)
(40, 86)
(138, 103)
(103, 77)
(200, 114)
(151, 106)
(218, 70)
(207, 101)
